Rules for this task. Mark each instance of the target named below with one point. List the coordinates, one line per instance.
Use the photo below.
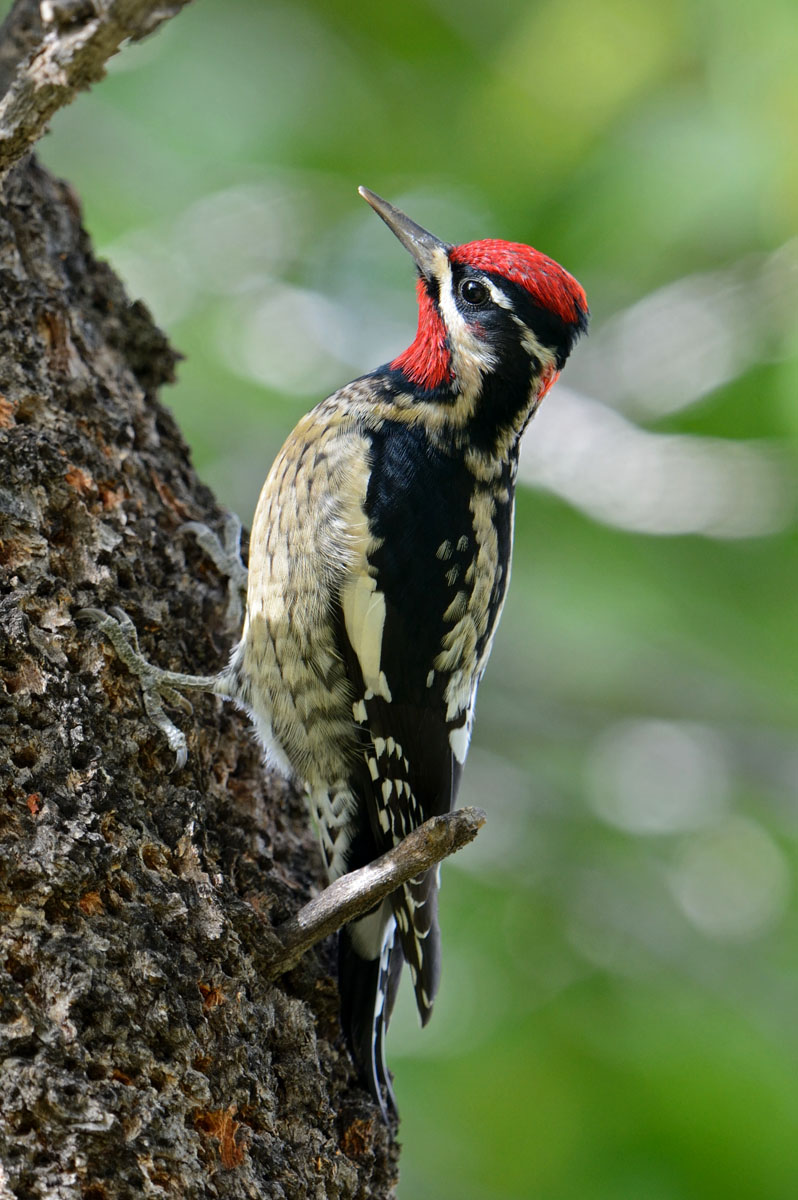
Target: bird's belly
(293, 686)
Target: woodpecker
(379, 561)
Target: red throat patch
(428, 361)
(547, 282)
(547, 381)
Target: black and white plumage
(379, 561)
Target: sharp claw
(123, 619)
(156, 684)
(207, 539)
(232, 535)
(225, 553)
(96, 615)
(127, 627)
(174, 736)
(200, 531)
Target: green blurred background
(618, 1017)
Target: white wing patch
(460, 740)
(371, 933)
(364, 616)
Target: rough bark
(145, 1052)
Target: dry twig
(359, 891)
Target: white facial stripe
(471, 357)
(476, 347)
(497, 295)
(542, 353)
(441, 267)
(528, 339)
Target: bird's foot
(157, 685)
(225, 554)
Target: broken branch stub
(360, 890)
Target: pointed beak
(428, 251)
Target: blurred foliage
(617, 1016)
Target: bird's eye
(474, 292)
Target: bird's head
(497, 320)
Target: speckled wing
(418, 615)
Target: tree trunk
(145, 1054)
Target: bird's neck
(479, 403)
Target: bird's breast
(441, 558)
(308, 532)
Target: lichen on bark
(143, 1051)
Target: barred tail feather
(371, 954)
(415, 907)
(368, 987)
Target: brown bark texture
(144, 1051)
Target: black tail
(368, 989)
